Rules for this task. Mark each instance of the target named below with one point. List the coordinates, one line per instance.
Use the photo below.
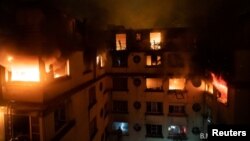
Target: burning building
(142, 84)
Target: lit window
(154, 108)
(153, 60)
(177, 83)
(153, 130)
(120, 127)
(155, 40)
(177, 132)
(154, 84)
(121, 42)
(57, 69)
(99, 61)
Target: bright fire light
(221, 86)
(24, 69)
(177, 83)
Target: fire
(221, 86)
(155, 40)
(177, 83)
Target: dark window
(176, 109)
(106, 110)
(153, 130)
(154, 108)
(120, 83)
(92, 97)
(120, 106)
(60, 117)
(92, 129)
(119, 60)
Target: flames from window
(221, 86)
(177, 83)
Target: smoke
(141, 13)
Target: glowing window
(99, 61)
(177, 131)
(155, 40)
(57, 69)
(121, 42)
(153, 60)
(177, 83)
(154, 83)
(120, 127)
(23, 68)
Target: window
(177, 83)
(99, 61)
(138, 36)
(92, 97)
(60, 117)
(153, 130)
(106, 110)
(119, 60)
(120, 83)
(153, 60)
(155, 40)
(120, 127)
(92, 129)
(177, 132)
(176, 109)
(120, 106)
(154, 108)
(154, 84)
(121, 42)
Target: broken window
(153, 60)
(155, 40)
(121, 42)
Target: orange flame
(221, 86)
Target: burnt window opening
(92, 97)
(155, 40)
(177, 83)
(154, 84)
(121, 42)
(119, 60)
(153, 130)
(92, 129)
(154, 108)
(120, 106)
(120, 83)
(153, 60)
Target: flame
(221, 86)
(177, 83)
(23, 69)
